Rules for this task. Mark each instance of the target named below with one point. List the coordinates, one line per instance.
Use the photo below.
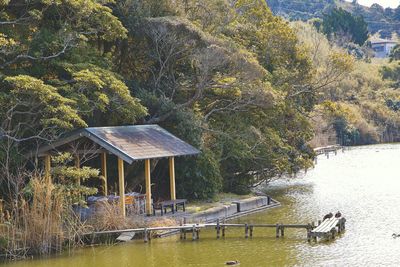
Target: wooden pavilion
(128, 144)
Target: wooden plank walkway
(325, 229)
(327, 149)
(328, 228)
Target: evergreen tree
(341, 24)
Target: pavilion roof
(130, 143)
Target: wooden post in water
(181, 230)
(146, 238)
(184, 230)
(194, 233)
(223, 228)
(277, 230)
(218, 228)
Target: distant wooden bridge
(328, 149)
(328, 229)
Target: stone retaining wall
(232, 210)
(252, 203)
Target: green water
(363, 183)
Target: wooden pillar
(148, 186)
(78, 165)
(121, 179)
(172, 177)
(103, 157)
(47, 168)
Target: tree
(396, 14)
(231, 77)
(395, 53)
(345, 27)
(55, 75)
(377, 8)
(388, 12)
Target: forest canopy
(226, 76)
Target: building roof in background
(382, 41)
(130, 143)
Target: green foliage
(392, 73)
(301, 10)
(99, 92)
(341, 24)
(198, 178)
(395, 53)
(382, 21)
(365, 107)
(218, 81)
(68, 179)
(55, 74)
(47, 108)
(230, 78)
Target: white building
(382, 47)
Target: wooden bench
(173, 204)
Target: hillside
(379, 19)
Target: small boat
(232, 262)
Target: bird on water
(328, 216)
(236, 262)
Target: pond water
(363, 183)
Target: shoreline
(274, 204)
(235, 210)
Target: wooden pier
(325, 229)
(328, 149)
(328, 229)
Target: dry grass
(42, 224)
(160, 222)
(45, 223)
(108, 217)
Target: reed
(39, 224)
(42, 222)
